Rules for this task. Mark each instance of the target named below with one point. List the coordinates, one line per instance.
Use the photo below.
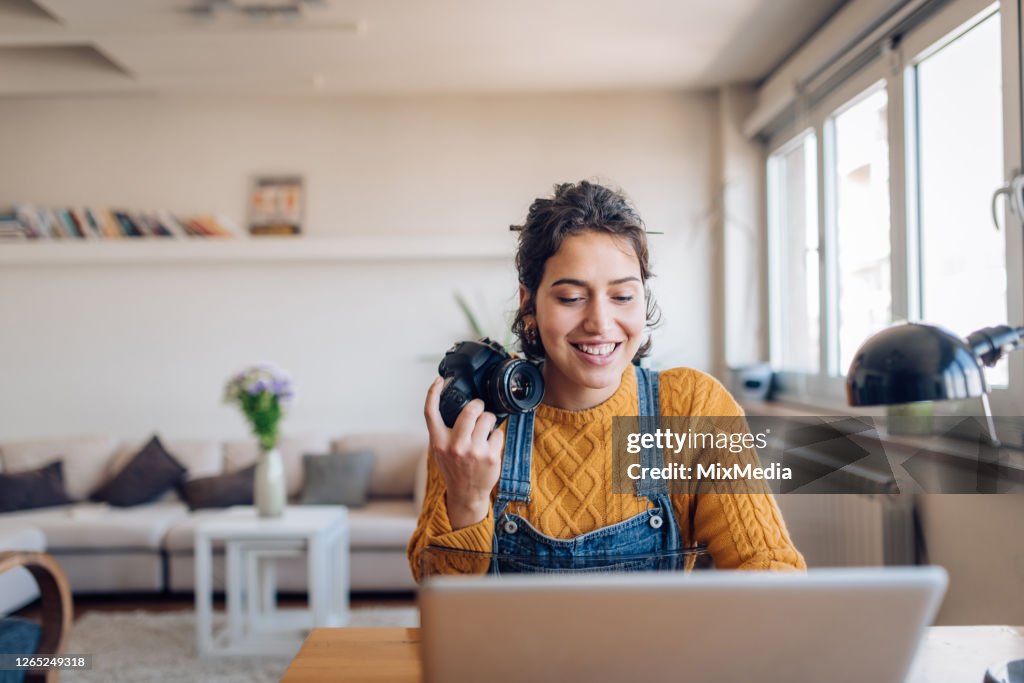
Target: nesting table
(252, 548)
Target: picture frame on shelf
(276, 205)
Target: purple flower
(255, 381)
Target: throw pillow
(337, 478)
(147, 476)
(39, 488)
(221, 491)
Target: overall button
(511, 527)
(656, 521)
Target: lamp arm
(992, 343)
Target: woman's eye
(569, 299)
(623, 299)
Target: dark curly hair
(575, 208)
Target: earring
(532, 335)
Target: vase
(270, 492)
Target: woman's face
(590, 313)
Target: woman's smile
(598, 353)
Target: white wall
(132, 349)
(743, 323)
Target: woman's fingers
(482, 430)
(462, 432)
(495, 442)
(468, 453)
(432, 411)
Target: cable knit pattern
(571, 491)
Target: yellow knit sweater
(571, 489)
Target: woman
(584, 308)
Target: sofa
(149, 547)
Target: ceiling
(396, 46)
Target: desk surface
(948, 653)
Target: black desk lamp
(912, 362)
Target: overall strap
(514, 483)
(650, 418)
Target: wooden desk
(357, 655)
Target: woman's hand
(468, 455)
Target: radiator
(851, 530)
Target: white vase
(270, 493)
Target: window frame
(894, 69)
(795, 142)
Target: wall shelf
(153, 250)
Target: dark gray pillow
(39, 488)
(221, 491)
(147, 476)
(337, 478)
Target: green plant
(263, 392)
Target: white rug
(130, 647)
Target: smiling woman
(536, 497)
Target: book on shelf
(11, 228)
(128, 227)
(54, 225)
(25, 221)
(84, 224)
(70, 223)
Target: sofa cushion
(39, 488)
(221, 491)
(85, 460)
(239, 454)
(382, 524)
(98, 526)
(200, 457)
(15, 535)
(336, 478)
(180, 536)
(147, 476)
(394, 472)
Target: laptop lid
(859, 624)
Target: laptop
(833, 625)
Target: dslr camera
(485, 370)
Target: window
(793, 226)
(860, 176)
(963, 256)
(897, 161)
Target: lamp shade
(912, 362)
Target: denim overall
(642, 542)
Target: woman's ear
(524, 296)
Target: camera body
(484, 369)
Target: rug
(130, 647)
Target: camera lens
(516, 385)
(520, 386)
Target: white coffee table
(252, 546)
